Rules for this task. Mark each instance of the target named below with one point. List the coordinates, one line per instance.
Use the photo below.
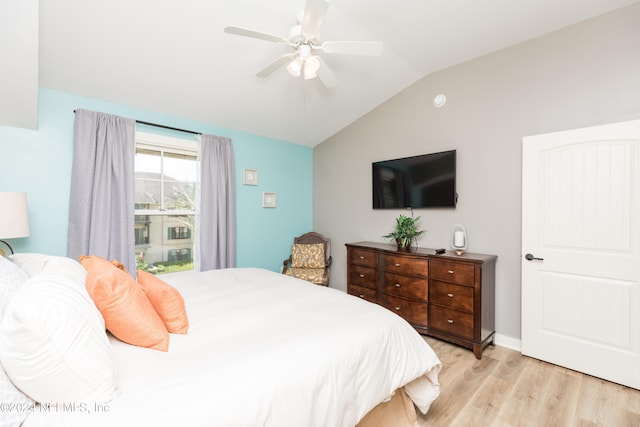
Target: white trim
(509, 342)
(168, 212)
(167, 143)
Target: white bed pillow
(17, 403)
(34, 263)
(11, 278)
(53, 343)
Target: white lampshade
(294, 67)
(459, 239)
(14, 219)
(311, 66)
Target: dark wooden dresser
(448, 296)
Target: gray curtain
(217, 235)
(101, 209)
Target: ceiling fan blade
(353, 48)
(269, 69)
(326, 76)
(314, 12)
(255, 34)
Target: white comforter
(263, 349)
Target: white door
(581, 226)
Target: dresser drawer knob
(397, 265)
(397, 308)
(450, 295)
(450, 321)
(450, 272)
(361, 257)
(361, 275)
(361, 296)
(397, 285)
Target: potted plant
(405, 231)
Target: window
(179, 254)
(142, 230)
(165, 191)
(176, 233)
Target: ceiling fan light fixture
(311, 66)
(295, 67)
(304, 38)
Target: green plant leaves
(406, 230)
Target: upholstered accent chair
(310, 258)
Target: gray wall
(583, 75)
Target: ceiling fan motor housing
(296, 37)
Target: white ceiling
(173, 57)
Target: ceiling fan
(304, 40)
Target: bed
(262, 349)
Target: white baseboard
(509, 342)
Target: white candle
(458, 239)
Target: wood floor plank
(527, 398)
(605, 403)
(560, 398)
(484, 405)
(511, 366)
(462, 380)
(507, 389)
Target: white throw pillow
(53, 343)
(16, 404)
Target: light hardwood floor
(505, 388)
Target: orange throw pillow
(119, 265)
(127, 312)
(167, 301)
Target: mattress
(263, 349)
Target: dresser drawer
(405, 265)
(364, 293)
(452, 272)
(362, 276)
(451, 321)
(412, 311)
(451, 295)
(404, 286)
(362, 257)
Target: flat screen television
(425, 181)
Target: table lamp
(459, 239)
(14, 219)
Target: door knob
(530, 257)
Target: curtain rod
(164, 127)
(168, 127)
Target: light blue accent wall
(38, 162)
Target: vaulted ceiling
(174, 57)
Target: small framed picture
(250, 177)
(268, 200)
